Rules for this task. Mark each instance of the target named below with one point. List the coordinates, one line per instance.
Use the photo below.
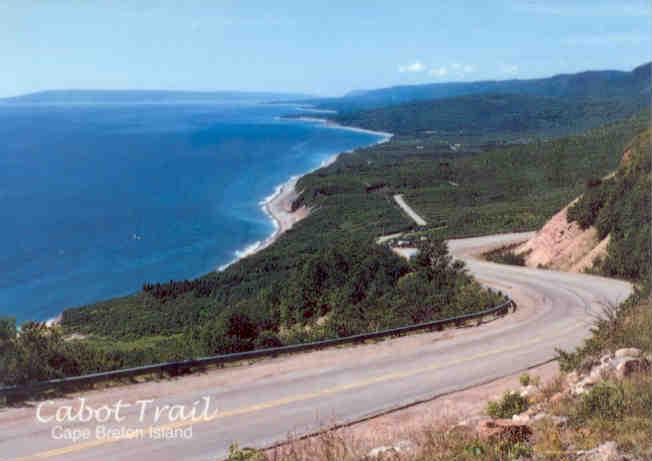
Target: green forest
(619, 207)
(483, 117)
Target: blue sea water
(97, 199)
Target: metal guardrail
(179, 367)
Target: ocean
(95, 200)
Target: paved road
(262, 403)
(410, 212)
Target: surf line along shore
(278, 206)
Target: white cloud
(509, 68)
(416, 66)
(456, 69)
(439, 71)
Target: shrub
(244, 454)
(506, 256)
(585, 211)
(509, 405)
(605, 400)
(524, 379)
(267, 339)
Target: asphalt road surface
(261, 404)
(408, 209)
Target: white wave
(279, 189)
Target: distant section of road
(263, 403)
(411, 213)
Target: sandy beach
(278, 206)
(331, 124)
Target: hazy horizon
(246, 92)
(325, 50)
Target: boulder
(572, 378)
(559, 420)
(627, 352)
(555, 420)
(402, 446)
(528, 391)
(587, 365)
(522, 418)
(627, 366)
(608, 451)
(585, 385)
(504, 430)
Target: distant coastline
(278, 205)
(332, 124)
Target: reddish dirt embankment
(563, 245)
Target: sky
(318, 47)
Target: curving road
(263, 403)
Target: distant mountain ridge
(148, 96)
(606, 84)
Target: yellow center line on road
(286, 400)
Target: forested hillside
(478, 118)
(619, 206)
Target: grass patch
(506, 255)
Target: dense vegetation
(506, 256)
(492, 116)
(39, 353)
(339, 291)
(506, 188)
(619, 206)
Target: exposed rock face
(628, 365)
(563, 246)
(627, 352)
(623, 363)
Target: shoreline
(278, 205)
(331, 124)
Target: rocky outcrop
(620, 365)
